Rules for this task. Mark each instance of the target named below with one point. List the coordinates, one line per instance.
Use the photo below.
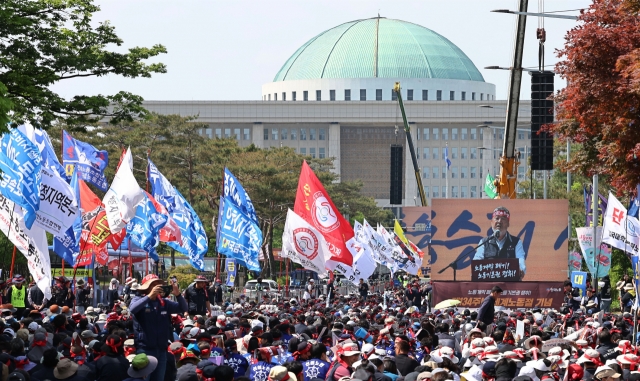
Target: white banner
(303, 244)
(121, 199)
(31, 243)
(58, 204)
(620, 230)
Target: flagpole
(147, 188)
(595, 197)
(446, 174)
(13, 260)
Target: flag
(634, 206)
(238, 235)
(304, 244)
(588, 199)
(489, 187)
(363, 263)
(620, 230)
(234, 192)
(41, 139)
(193, 239)
(144, 227)
(123, 196)
(446, 157)
(58, 204)
(95, 228)
(32, 243)
(195, 242)
(170, 231)
(162, 190)
(20, 163)
(314, 205)
(88, 161)
(411, 265)
(599, 264)
(232, 271)
(378, 244)
(67, 246)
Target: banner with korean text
(515, 294)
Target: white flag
(31, 243)
(121, 199)
(303, 244)
(58, 204)
(620, 230)
(363, 263)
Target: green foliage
(5, 107)
(185, 275)
(194, 164)
(47, 41)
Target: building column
(411, 194)
(257, 136)
(334, 147)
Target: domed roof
(378, 48)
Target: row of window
(363, 95)
(435, 172)
(312, 152)
(292, 134)
(435, 133)
(236, 133)
(434, 191)
(453, 153)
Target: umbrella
(447, 303)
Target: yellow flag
(398, 230)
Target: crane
(506, 182)
(407, 130)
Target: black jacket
(405, 364)
(197, 299)
(486, 311)
(493, 251)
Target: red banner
(515, 294)
(314, 205)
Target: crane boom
(509, 161)
(407, 130)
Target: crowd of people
(155, 331)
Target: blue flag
(238, 236)
(234, 191)
(194, 243)
(144, 227)
(68, 246)
(20, 162)
(446, 157)
(232, 271)
(635, 204)
(49, 158)
(162, 190)
(88, 161)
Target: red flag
(95, 227)
(314, 206)
(170, 231)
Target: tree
(599, 107)
(47, 41)
(194, 165)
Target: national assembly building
(333, 97)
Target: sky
(226, 50)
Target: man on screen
(502, 245)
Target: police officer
(197, 297)
(152, 320)
(17, 295)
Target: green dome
(378, 48)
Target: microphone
(496, 234)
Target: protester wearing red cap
(152, 320)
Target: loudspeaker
(395, 192)
(541, 114)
